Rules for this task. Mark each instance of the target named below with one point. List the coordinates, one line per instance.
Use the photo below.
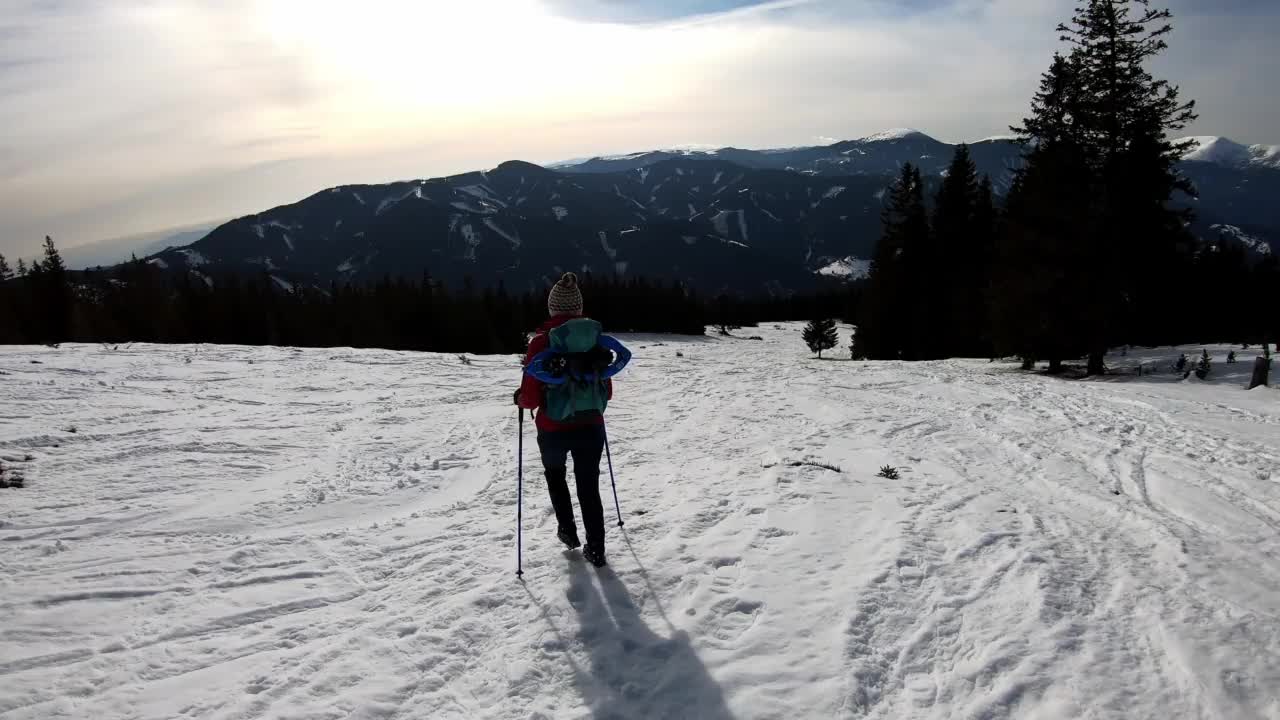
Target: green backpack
(584, 394)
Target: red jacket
(531, 391)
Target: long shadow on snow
(634, 673)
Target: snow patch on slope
(850, 268)
(604, 243)
(1255, 244)
(472, 240)
(194, 258)
(510, 237)
(721, 223)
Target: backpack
(575, 370)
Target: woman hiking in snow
(570, 418)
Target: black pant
(586, 445)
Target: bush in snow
(1231, 358)
(889, 472)
(1261, 368)
(1203, 365)
(821, 335)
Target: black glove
(516, 398)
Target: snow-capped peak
(1222, 151)
(893, 134)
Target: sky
(130, 116)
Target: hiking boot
(569, 538)
(594, 554)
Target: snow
(850, 268)
(644, 175)
(260, 231)
(288, 241)
(1255, 244)
(468, 207)
(510, 237)
(893, 134)
(692, 210)
(394, 200)
(347, 265)
(356, 195)
(619, 193)
(283, 284)
(481, 192)
(284, 533)
(561, 212)
(195, 258)
(158, 262)
(834, 192)
(472, 239)
(689, 239)
(721, 223)
(604, 244)
(719, 174)
(1221, 151)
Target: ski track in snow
(236, 532)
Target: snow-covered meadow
(229, 532)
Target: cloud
(650, 11)
(123, 116)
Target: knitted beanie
(565, 297)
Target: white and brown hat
(565, 297)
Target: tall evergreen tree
(22, 268)
(893, 296)
(6, 273)
(956, 309)
(1041, 265)
(1126, 116)
(821, 335)
(54, 295)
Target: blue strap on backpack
(575, 369)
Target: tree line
(139, 302)
(1089, 249)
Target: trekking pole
(612, 481)
(520, 496)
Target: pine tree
(1041, 266)
(6, 273)
(956, 272)
(54, 292)
(893, 297)
(22, 268)
(1126, 117)
(821, 335)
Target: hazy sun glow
(442, 66)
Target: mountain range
(745, 220)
